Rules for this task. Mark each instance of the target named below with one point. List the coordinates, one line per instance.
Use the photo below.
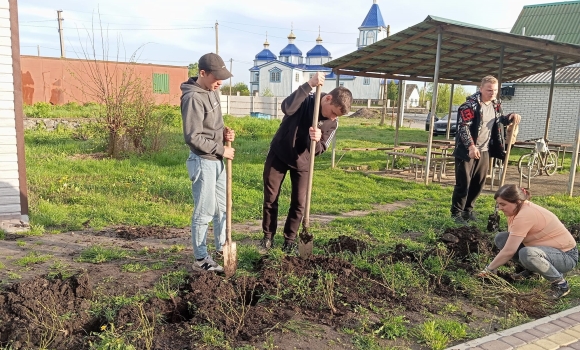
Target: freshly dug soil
(320, 295)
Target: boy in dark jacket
(290, 152)
(479, 136)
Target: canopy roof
(468, 53)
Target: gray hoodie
(203, 125)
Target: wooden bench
(392, 157)
(396, 148)
(418, 163)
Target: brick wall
(531, 102)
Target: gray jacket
(203, 124)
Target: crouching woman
(536, 239)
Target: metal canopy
(468, 53)
(446, 51)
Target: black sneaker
(559, 290)
(458, 218)
(266, 244)
(207, 264)
(469, 216)
(290, 248)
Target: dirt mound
(575, 231)
(368, 113)
(137, 232)
(46, 313)
(176, 308)
(467, 240)
(346, 244)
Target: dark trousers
(469, 181)
(274, 173)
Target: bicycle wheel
(528, 161)
(551, 163)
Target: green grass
(32, 258)
(134, 267)
(68, 186)
(69, 183)
(168, 285)
(98, 254)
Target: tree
(392, 91)
(192, 70)
(240, 87)
(443, 94)
(127, 112)
(267, 93)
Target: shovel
(230, 249)
(305, 238)
(510, 133)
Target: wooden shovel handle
(228, 197)
(306, 219)
(510, 133)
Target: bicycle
(541, 159)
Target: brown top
(540, 227)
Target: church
(282, 74)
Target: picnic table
(439, 159)
(395, 148)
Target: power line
(282, 37)
(44, 20)
(132, 29)
(297, 29)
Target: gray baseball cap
(212, 63)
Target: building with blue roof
(281, 75)
(373, 27)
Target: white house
(13, 190)
(411, 95)
(283, 74)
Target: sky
(178, 32)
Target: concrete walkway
(558, 331)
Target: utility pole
(60, 19)
(38, 50)
(231, 60)
(216, 38)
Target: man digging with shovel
(290, 152)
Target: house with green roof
(558, 21)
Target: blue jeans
(208, 187)
(549, 262)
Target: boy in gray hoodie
(205, 134)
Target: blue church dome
(318, 50)
(265, 55)
(374, 18)
(290, 50)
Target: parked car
(440, 125)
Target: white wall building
(530, 100)
(283, 74)
(411, 95)
(13, 190)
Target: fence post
(228, 104)
(369, 103)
